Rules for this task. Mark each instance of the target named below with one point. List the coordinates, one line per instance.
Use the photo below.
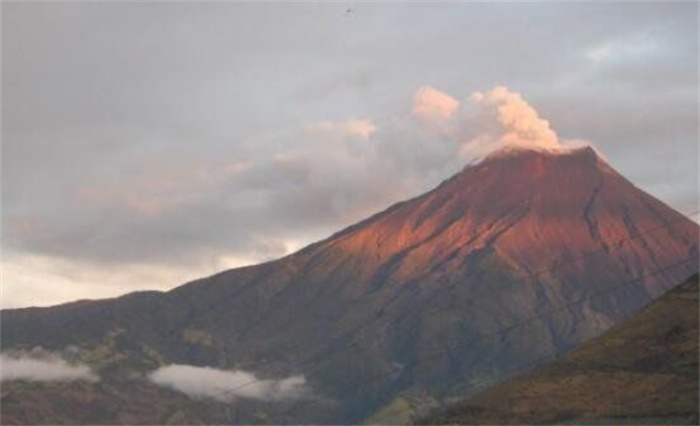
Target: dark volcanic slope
(488, 248)
(642, 371)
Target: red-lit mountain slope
(407, 306)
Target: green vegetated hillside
(642, 371)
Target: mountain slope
(503, 241)
(643, 371)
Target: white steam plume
(484, 122)
(499, 119)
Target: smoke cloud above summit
(486, 121)
(503, 118)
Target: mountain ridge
(392, 288)
(630, 373)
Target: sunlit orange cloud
(433, 106)
(363, 128)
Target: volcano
(519, 257)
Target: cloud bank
(276, 194)
(226, 385)
(40, 366)
(224, 136)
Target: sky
(148, 144)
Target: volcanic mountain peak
(509, 150)
(585, 156)
(525, 207)
(524, 232)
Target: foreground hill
(406, 307)
(642, 371)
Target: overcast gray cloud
(147, 144)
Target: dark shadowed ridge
(506, 239)
(642, 371)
